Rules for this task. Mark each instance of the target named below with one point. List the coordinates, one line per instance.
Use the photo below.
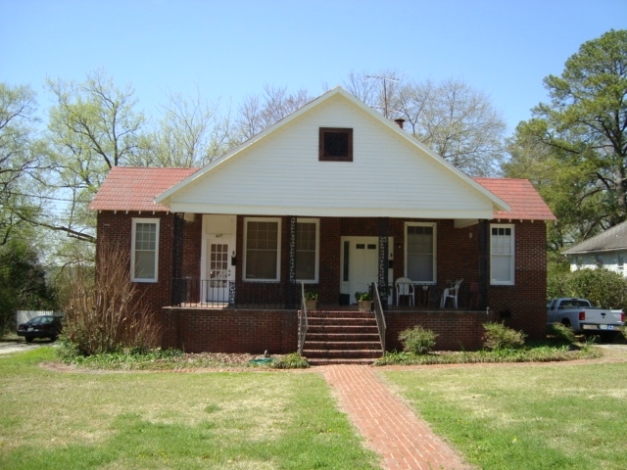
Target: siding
(281, 175)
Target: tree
(92, 128)
(190, 134)
(257, 113)
(451, 118)
(23, 282)
(581, 140)
(18, 158)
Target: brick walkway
(389, 426)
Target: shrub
(417, 340)
(561, 333)
(497, 336)
(104, 313)
(291, 361)
(602, 287)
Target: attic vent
(335, 144)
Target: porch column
(177, 286)
(484, 263)
(383, 281)
(290, 290)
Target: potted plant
(364, 301)
(311, 300)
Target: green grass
(156, 420)
(566, 416)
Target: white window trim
(435, 248)
(278, 257)
(144, 221)
(512, 280)
(316, 278)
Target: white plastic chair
(404, 286)
(451, 293)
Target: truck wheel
(566, 322)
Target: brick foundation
(230, 331)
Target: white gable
(279, 173)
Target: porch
(325, 334)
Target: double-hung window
(145, 250)
(307, 249)
(262, 249)
(502, 254)
(420, 252)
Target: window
(502, 255)
(335, 144)
(307, 250)
(262, 255)
(145, 250)
(420, 252)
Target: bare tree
(260, 112)
(451, 118)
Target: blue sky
(229, 49)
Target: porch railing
(379, 315)
(194, 292)
(303, 323)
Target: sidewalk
(389, 427)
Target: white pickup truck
(582, 317)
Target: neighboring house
(607, 250)
(337, 197)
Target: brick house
(334, 197)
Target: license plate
(29, 329)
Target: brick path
(389, 426)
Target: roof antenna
(385, 90)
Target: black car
(44, 326)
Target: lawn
(155, 420)
(557, 416)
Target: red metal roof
(134, 188)
(522, 197)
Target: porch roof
(524, 201)
(135, 188)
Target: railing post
(383, 279)
(291, 283)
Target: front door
(360, 265)
(219, 270)
(217, 258)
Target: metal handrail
(303, 323)
(379, 315)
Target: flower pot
(311, 304)
(365, 305)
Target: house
(606, 250)
(335, 197)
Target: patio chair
(404, 287)
(451, 293)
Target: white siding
(612, 261)
(281, 175)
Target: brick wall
(231, 331)
(521, 306)
(456, 330)
(114, 232)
